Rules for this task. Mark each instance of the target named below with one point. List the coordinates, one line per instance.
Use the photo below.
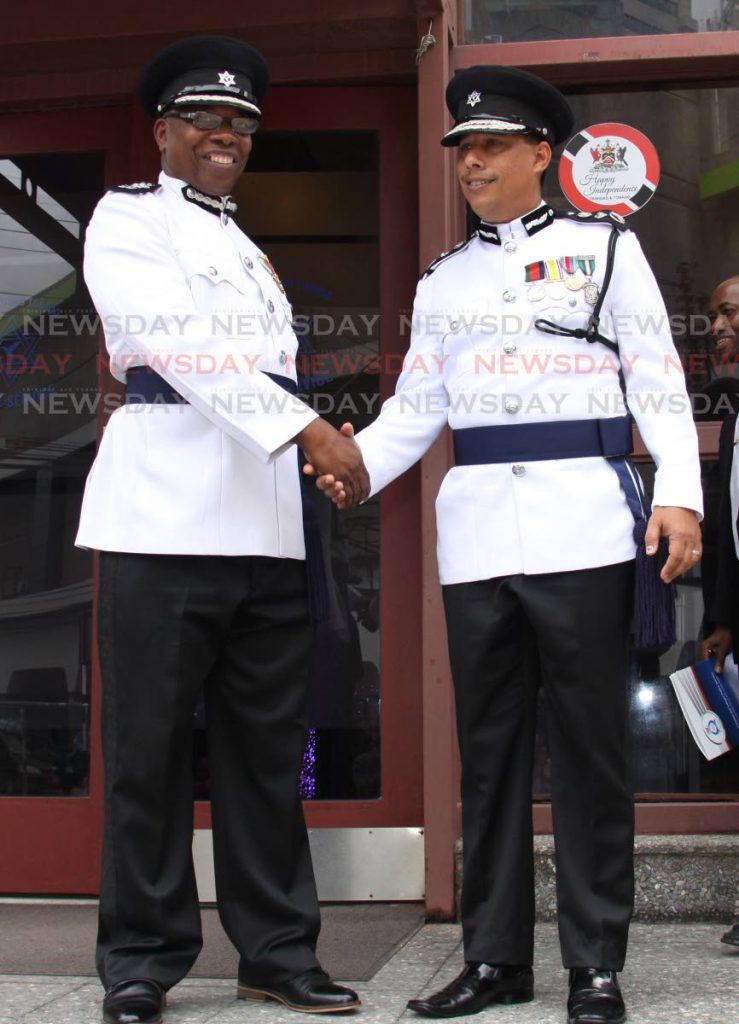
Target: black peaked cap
(201, 70)
(493, 98)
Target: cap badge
(473, 99)
(226, 78)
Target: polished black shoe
(595, 997)
(135, 1001)
(311, 992)
(475, 988)
(731, 938)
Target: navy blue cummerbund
(144, 385)
(537, 442)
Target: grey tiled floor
(676, 974)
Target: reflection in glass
(48, 403)
(310, 200)
(510, 21)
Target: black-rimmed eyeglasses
(205, 121)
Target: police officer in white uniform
(194, 503)
(536, 531)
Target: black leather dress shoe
(731, 938)
(311, 992)
(595, 997)
(135, 1001)
(475, 988)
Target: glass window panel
(48, 402)
(311, 200)
(510, 21)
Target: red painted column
(438, 223)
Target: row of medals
(558, 289)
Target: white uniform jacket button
(509, 347)
(283, 357)
(509, 295)
(512, 404)
(248, 263)
(510, 245)
(518, 470)
(213, 271)
(270, 306)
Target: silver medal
(591, 293)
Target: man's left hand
(680, 526)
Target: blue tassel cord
(653, 625)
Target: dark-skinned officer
(194, 503)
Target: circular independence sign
(609, 167)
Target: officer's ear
(542, 156)
(161, 133)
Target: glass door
(53, 169)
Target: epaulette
(601, 217)
(445, 256)
(139, 188)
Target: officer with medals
(194, 502)
(536, 531)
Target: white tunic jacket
(187, 292)
(476, 359)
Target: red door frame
(51, 844)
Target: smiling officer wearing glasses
(194, 503)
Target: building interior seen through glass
(310, 200)
(48, 404)
(688, 232)
(511, 21)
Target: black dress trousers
(237, 630)
(567, 632)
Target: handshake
(334, 458)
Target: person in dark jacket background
(724, 316)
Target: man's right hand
(719, 643)
(335, 454)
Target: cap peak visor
(490, 126)
(219, 99)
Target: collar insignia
(538, 219)
(220, 205)
(489, 233)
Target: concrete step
(678, 878)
